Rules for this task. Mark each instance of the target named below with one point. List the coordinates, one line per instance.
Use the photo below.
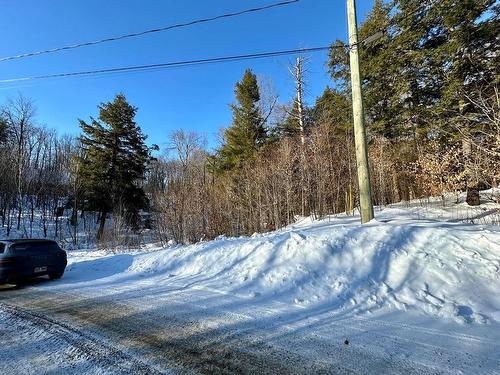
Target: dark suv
(22, 259)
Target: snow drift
(399, 261)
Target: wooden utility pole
(365, 195)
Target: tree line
(68, 186)
(431, 95)
(432, 110)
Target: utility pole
(365, 195)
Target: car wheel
(56, 275)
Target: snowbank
(398, 262)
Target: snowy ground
(415, 291)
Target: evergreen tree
(416, 75)
(290, 127)
(334, 108)
(378, 71)
(471, 53)
(439, 51)
(114, 162)
(247, 133)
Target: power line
(141, 33)
(193, 62)
(175, 64)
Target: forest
(431, 96)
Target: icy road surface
(401, 295)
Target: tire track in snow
(99, 352)
(242, 349)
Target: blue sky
(192, 98)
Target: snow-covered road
(34, 343)
(403, 294)
(193, 330)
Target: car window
(2, 248)
(21, 247)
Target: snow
(44, 346)
(419, 285)
(438, 269)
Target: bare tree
(19, 114)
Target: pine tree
(379, 72)
(416, 75)
(247, 133)
(334, 108)
(442, 50)
(424, 79)
(290, 127)
(471, 51)
(114, 162)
